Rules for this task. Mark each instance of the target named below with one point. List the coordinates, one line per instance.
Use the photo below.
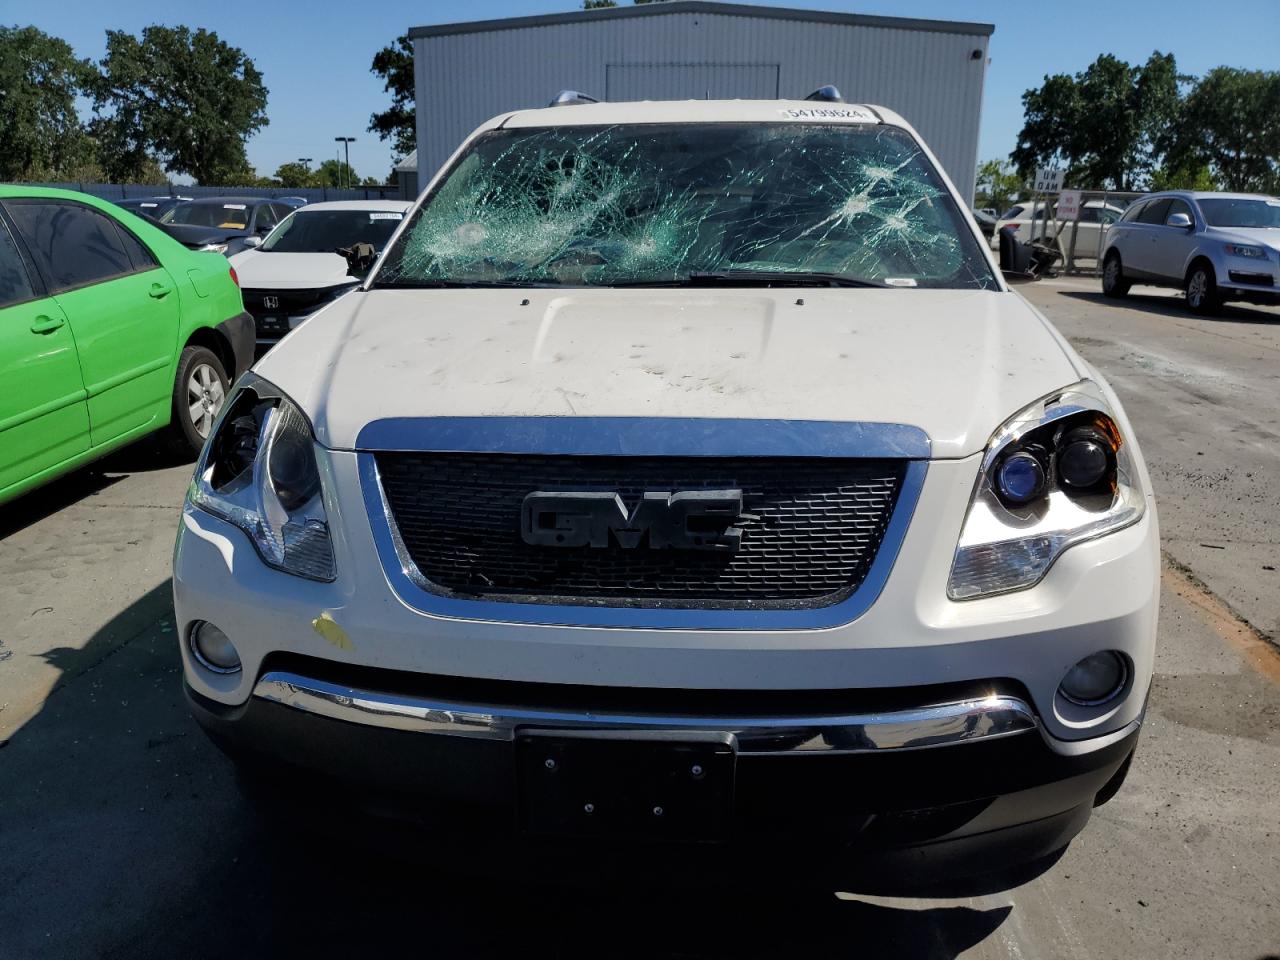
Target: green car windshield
(655, 204)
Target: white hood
(954, 363)
(259, 269)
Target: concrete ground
(122, 833)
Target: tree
(335, 173)
(185, 96)
(394, 64)
(997, 185)
(295, 175)
(1104, 124)
(40, 130)
(1230, 122)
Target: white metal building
(929, 71)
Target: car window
(1013, 213)
(643, 204)
(1107, 215)
(73, 245)
(15, 285)
(324, 231)
(1089, 215)
(227, 216)
(266, 218)
(1241, 212)
(1133, 211)
(1155, 211)
(139, 255)
(1178, 206)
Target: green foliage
(40, 131)
(183, 95)
(1230, 122)
(1183, 178)
(335, 173)
(295, 175)
(394, 64)
(598, 4)
(997, 185)
(1104, 124)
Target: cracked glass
(658, 204)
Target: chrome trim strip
(646, 437)
(412, 588)
(938, 725)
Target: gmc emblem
(270, 303)
(684, 520)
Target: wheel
(1113, 282)
(1202, 290)
(199, 390)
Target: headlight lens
(1054, 475)
(1245, 250)
(259, 471)
(213, 248)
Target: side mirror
(1180, 220)
(252, 241)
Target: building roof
(704, 7)
(409, 164)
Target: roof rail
(828, 93)
(566, 98)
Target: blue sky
(315, 56)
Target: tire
(1202, 289)
(1113, 282)
(199, 391)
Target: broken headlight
(259, 472)
(1054, 475)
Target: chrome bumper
(932, 726)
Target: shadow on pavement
(1168, 306)
(143, 456)
(123, 834)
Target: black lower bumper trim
(947, 811)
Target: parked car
(1027, 223)
(637, 494)
(299, 268)
(109, 330)
(152, 207)
(986, 223)
(224, 225)
(294, 202)
(1214, 246)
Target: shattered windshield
(672, 203)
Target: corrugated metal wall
(929, 76)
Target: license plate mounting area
(623, 785)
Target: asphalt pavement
(122, 832)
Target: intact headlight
(1054, 475)
(213, 248)
(259, 472)
(1245, 250)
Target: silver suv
(1215, 246)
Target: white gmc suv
(682, 473)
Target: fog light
(1095, 679)
(213, 649)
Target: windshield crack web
(638, 204)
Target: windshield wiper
(774, 278)
(439, 284)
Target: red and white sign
(1068, 205)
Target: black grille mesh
(811, 528)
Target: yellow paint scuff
(328, 628)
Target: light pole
(346, 147)
(306, 162)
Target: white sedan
(300, 267)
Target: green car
(109, 330)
